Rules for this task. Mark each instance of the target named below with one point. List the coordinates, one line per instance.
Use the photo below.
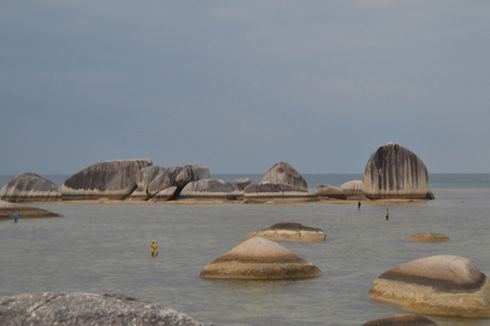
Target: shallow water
(104, 248)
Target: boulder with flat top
(29, 187)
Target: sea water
(105, 248)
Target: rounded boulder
(260, 259)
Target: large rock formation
(401, 320)
(210, 188)
(353, 188)
(290, 231)
(260, 259)
(28, 187)
(177, 176)
(395, 172)
(283, 173)
(437, 285)
(7, 209)
(329, 191)
(281, 181)
(144, 177)
(86, 309)
(110, 179)
(428, 237)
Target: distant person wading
(387, 214)
(154, 248)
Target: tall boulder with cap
(438, 285)
(393, 171)
(29, 187)
(110, 179)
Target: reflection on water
(105, 248)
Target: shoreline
(251, 201)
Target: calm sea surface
(105, 248)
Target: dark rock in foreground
(83, 309)
(395, 172)
(27, 187)
(110, 179)
(7, 209)
(401, 320)
(283, 173)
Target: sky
(240, 85)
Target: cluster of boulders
(391, 172)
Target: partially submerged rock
(260, 259)
(437, 285)
(290, 231)
(86, 309)
(110, 179)
(7, 209)
(28, 187)
(177, 176)
(428, 237)
(395, 172)
(283, 173)
(210, 188)
(401, 320)
(329, 191)
(353, 188)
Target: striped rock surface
(144, 177)
(210, 188)
(290, 231)
(428, 237)
(395, 172)
(109, 179)
(438, 285)
(275, 190)
(401, 320)
(329, 192)
(260, 259)
(283, 173)
(86, 309)
(177, 176)
(353, 188)
(27, 187)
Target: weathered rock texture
(329, 192)
(272, 190)
(241, 183)
(28, 187)
(283, 173)
(428, 237)
(395, 172)
(260, 259)
(437, 285)
(401, 320)
(144, 177)
(210, 188)
(110, 179)
(86, 309)
(7, 209)
(166, 194)
(353, 188)
(290, 231)
(177, 176)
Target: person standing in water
(154, 248)
(14, 217)
(359, 205)
(387, 214)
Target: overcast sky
(240, 85)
